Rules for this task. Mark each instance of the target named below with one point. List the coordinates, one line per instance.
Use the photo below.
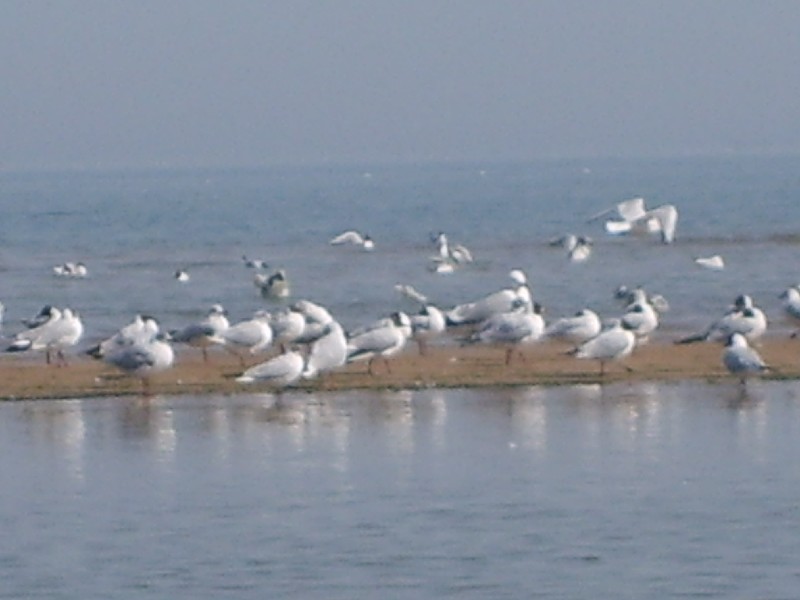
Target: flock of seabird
(310, 342)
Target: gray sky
(103, 83)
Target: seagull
(791, 305)
(712, 263)
(634, 218)
(281, 371)
(740, 359)
(182, 276)
(143, 358)
(287, 326)
(523, 325)
(72, 270)
(581, 250)
(614, 343)
(62, 330)
(45, 314)
(205, 333)
(354, 238)
(382, 341)
(448, 257)
(430, 323)
(254, 263)
(498, 302)
(743, 317)
(581, 327)
(252, 335)
(629, 297)
(640, 318)
(143, 327)
(411, 293)
(272, 287)
(327, 353)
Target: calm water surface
(625, 491)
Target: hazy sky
(108, 83)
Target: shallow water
(134, 229)
(637, 490)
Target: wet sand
(28, 377)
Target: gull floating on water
(254, 263)
(274, 286)
(634, 218)
(72, 270)
(448, 256)
(629, 297)
(205, 333)
(740, 359)
(712, 263)
(354, 238)
(614, 343)
(182, 276)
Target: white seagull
(274, 286)
(63, 329)
(252, 335)
(642, 319)
(281, 371)
(740, 359)
(380, 342)
(182, 276)
(581, 327)
(429, 324)
(143, 358)
(712, 263)
(634, 218)
(143, 327)
(74, 270)
(614, 343)
(254, 263)
(327, 353)
(205, 333)
(743, 317)
(523, 325)
(499, 302)
(354, 238)
(790, 300)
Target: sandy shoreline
(28, 377)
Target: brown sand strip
(27, 377)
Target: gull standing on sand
(382, 341)
(62, 330)
(281, 371)
(740, 359)
(252, 335)
(523, 325)
(581, 327)
(143, 327)
(429, 324)
(328, 352)
(743, 317)
(287, 326)
(790, 301)
(614, 343)
(143, 358)
(499, 302)
(634, 218)
(642, 319)
(354, 238)
(208, 332)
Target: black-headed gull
(382, 341)
(143, 358)
(63, 329)
(740, 359)
(429, 324)
(634, 218)
(613, 343)
(743, 317)
(274, 286)
(205, 333)
(502, 301)
(579, 328)
(280, 371)
(249, 336)
(354, 238)
(523, 325)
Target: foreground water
(626, 491)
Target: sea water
(134, 229)
(640, 490)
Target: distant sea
(133, 229)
